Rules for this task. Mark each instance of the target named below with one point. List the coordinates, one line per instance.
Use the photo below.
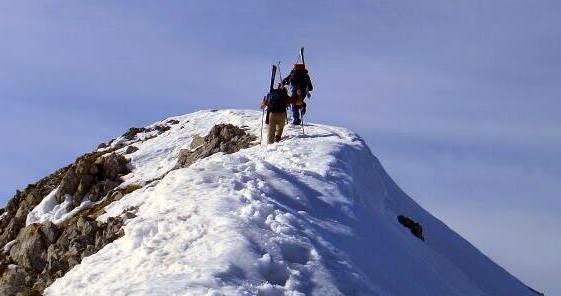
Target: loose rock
(30, 249)
(226, 138)
(133, 131)
(131, 149)
(415, 228)
(93, 175)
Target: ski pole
(261, 137)
(301, 120)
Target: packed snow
(312, 215)
(50, 210)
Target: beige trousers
(276, 125)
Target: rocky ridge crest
(35, 255)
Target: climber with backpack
(276, 101)
(301, 86)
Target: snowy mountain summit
(193, 205)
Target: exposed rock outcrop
(39, 253)
(30, 248)
(13, 280)
(133, 131)
(415, 228)
(131, 149)
(102, 145)
(93, 175)
(15, 212)
(44, 252)
(226, 138)
(161, 128)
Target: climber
(276, 102)
(300, 85)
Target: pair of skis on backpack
(301, 96)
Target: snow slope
(312, 215)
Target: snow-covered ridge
(312, 215)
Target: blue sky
(458, 99)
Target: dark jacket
(299, 79)
(279, 104)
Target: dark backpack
(300, 78)
(277, 101)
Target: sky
(458, 99)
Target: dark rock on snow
(131, 133)
(162, 128)
(131, 149)
(93, 175)
(226, 138)
(415, 228)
